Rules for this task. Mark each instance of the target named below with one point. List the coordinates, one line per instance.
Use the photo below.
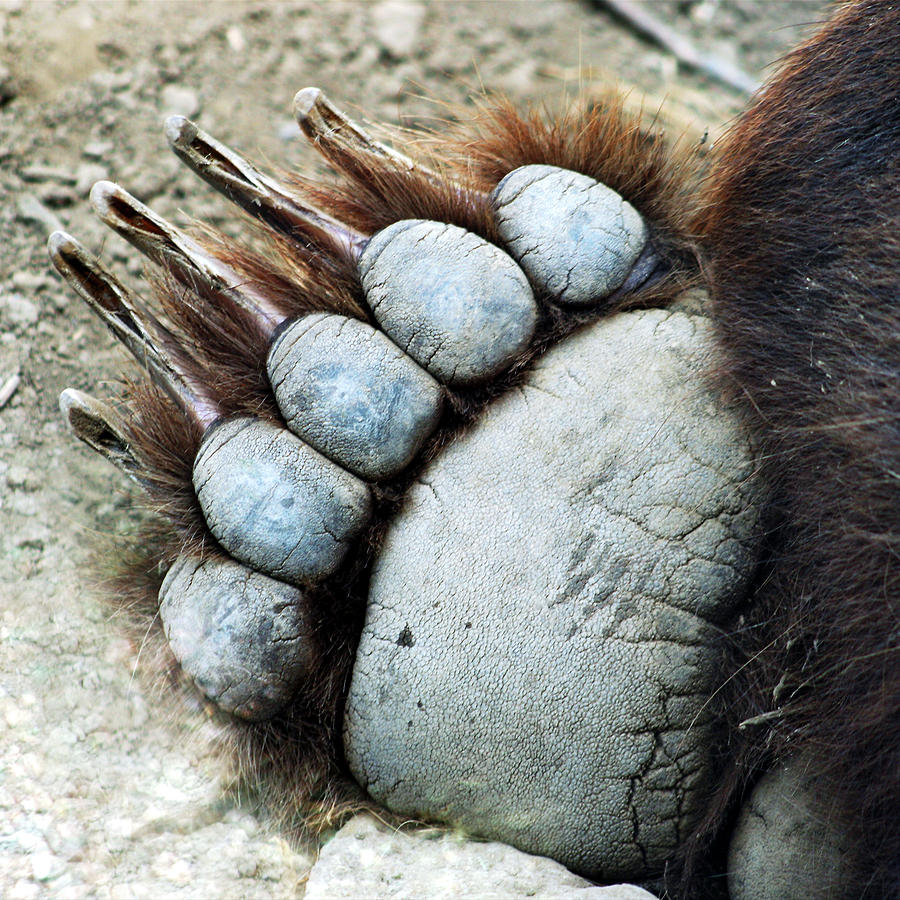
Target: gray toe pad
(576, 239)
(245, 639)
(456, 304)
(351, 393)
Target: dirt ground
(100, 793)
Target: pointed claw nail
(174, 251)
(120, 311)
(145, 337)
(100, 427)
(257, 194)
(156, 238)
(341, 140)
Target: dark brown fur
(801, 250)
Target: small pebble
(235, 38)
(178, 100)
(398, 26)
(87, 175)
(39, 172)
(31, 209)
(8, 88)
(30, 281)
(45, 866)
(97, 149)
(18, 310)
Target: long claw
(344, 143)
(258, 194)
(172, 249)
(100, 427)
(148, 340)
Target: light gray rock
(541, 636)
(18, 311)
(397, 25)
(276, 504)
(459, 306)
(367, 859)
(350, 392)
(575, 238)
(176, 99)
(245, 639)
(787, 845)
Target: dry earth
(100, 793)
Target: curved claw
(146, 338)
(172, 249)
(257, 194)
(346, 144)
(100, 427)
(336, 136)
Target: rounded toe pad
(576, 239)
(455, 303)
(275, 503)
(350, 392)
(245, 639)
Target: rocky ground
(101, 794)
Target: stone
(178, 100)
(8, 88)
(368, 859)
(18, 310)
(398, 26)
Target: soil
(101, 793)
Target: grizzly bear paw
(446, 472)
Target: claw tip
(58, 243)
(304, 101)
(68, 399)
(75, 407)
(179, 130)
(65, 253)
(100, 195)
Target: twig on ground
(9, 388)
(635, 14)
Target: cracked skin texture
(458, 305)
(209, 608)
(275, 503)
(597, 236)
(540, 642)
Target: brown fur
(602, 141)
(800, 246)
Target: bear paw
(465, 405)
